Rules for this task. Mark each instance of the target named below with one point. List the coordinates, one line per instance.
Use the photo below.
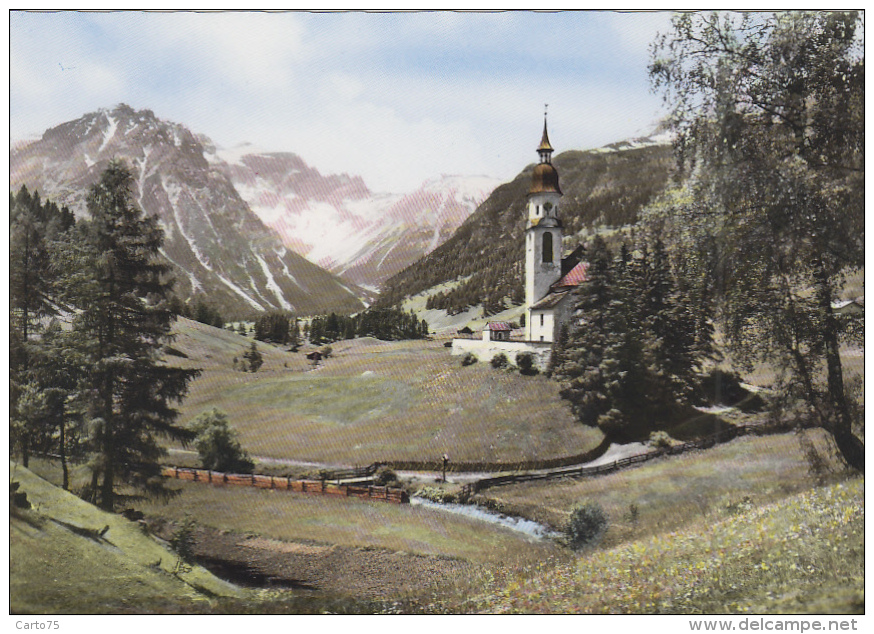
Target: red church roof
(574, 277)
(497, 325)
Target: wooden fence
(317, 487)
(585, 472)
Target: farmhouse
(549, 278)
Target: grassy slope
(802, 554)
(299, 517)
(677, 491)
(374, 400)
(53, 569)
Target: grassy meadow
(673, 492)
(375, 400)
(298, 517)
(802, 554)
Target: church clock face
(547, 206)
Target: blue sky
(396, 98)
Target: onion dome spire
(545, 176)
(545, 149)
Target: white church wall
(542, 325)
(484, 351)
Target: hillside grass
(672, 492)
(296, 517)
(57, 566)
(377, 401)
(802, 554)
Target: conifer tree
(122, 292)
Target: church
(549, 278)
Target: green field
(378, 401)
(675, 492)
(802, 554)
(293, 517)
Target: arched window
(547, 247)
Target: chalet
(497, 331)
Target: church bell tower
(543, 232)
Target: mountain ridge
(337, 222)
(216, 244)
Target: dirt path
(321, 569)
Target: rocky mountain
(336, 222)
(216, 243)
(483, 260)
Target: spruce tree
(581, 371)
(122, 322)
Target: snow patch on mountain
(109, 133)
(272, 285)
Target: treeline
(198, 309)
(89, 321)
(487, 251)
(278, 326)
(388, 324)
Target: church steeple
(543, 233)
(545, 177)
(545, 149)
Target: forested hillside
(601, 187)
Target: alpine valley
(250, 230)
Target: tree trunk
(852, 449)
(65, 484)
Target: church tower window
(547, 247)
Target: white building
(549, 278)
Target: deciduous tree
(769, 109)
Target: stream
(518, 524)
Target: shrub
(587, 525)
(436, 494)
(385, 477)
(525, 363)
(218, 445)
(182, 542)
(468, 359)
(660, 440)
(499, 361)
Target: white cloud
(396, 98)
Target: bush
(218, 445)
(468, 359)
(182, 542)
(499, 361)
(587, 525)
(435, 494)
(660, 440)
(385, 477)
(525, 363)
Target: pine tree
(581, 371)
(121, 292)
(253, 358)
(34, 227)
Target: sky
(396, 98)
